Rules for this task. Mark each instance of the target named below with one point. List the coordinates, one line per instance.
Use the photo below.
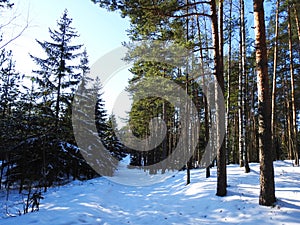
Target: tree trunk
(295, 5)
(187, 135)
(60, 75)
(273, 113)
(267, 186)
(253, 153)
(294, 113)
(240, 95)
(205, 97)
(228, 85)
(244, 78)
(288, 134)
(220, 116)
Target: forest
(256, 66)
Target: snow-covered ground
(100, 201)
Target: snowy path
(101, 201)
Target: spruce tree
(100, 111)
(57, 74)
(111, 141)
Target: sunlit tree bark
(267, 186)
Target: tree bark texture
(267, 186)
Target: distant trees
(111, 141)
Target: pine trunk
(296, 7)
(267, 186)
(220, 116)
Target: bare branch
(9, 22)
(17, 35)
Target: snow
(101, 201)
(137, 177)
